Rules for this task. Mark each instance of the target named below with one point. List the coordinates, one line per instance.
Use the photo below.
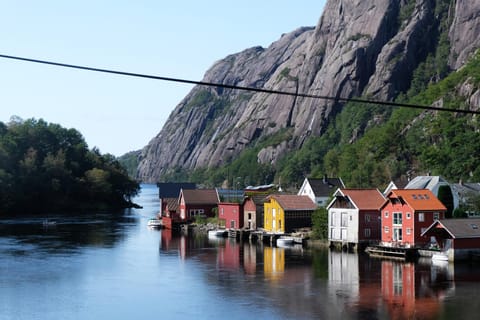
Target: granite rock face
(359, 47)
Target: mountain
(359, 48)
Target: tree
(320, 223)
(446, 197)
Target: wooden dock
(400, 253)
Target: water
(111, 266)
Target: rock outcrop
(359, 47)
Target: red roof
(292, 202)
(418, 199)
(365, 199)
(200, 196)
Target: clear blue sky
(117, 114)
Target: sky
(178, 39)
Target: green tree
(320, 223)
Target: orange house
(406, 214)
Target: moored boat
(217, 233)
(285, 241)
(155, 223)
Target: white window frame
(421, 217)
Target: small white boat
(155, 223)
(284, 241)
(217, 233)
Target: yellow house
(284, 213)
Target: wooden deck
(399, 253)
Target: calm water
(111, 266)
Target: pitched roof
(425, 182)
(172, 189)
(418, 199)
(227, 195)
(172, 204)
(325, 186)
(458, 228)
(293, 202)
(200, 196)
(364, 199)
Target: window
(397, 218)
(421, 217)
(367, 233)
(436, 216)
(387, 229)
(386, 214)
(409, 215)
(350, 218)
(333, 218)
(367, 218)
(344, 219)
(409, 231)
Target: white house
(320, 190)
(354, 217)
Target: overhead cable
(253, 89)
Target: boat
(285, 241)
(155, 223)
(217, 233)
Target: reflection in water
(274, 263)
(111, 266)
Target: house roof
(457, 228)
(172, 189)
(200, 196)
(172, 204)
(425, 182)
(293, 202)
(464, 189)
(364, 199)
(324, 187)
(418, 199)
(227, 195)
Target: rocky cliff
(358, 48)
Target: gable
(325, 187)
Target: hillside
(383, 50)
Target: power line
(227, 86)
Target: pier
(400, 253)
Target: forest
(47, 168)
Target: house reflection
(273, 263)
(414, 290)
(228, 254)
(405, 290)
(355, 278)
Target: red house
(459, 239)
(406, 214)
(198, 202)
(231, 214)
